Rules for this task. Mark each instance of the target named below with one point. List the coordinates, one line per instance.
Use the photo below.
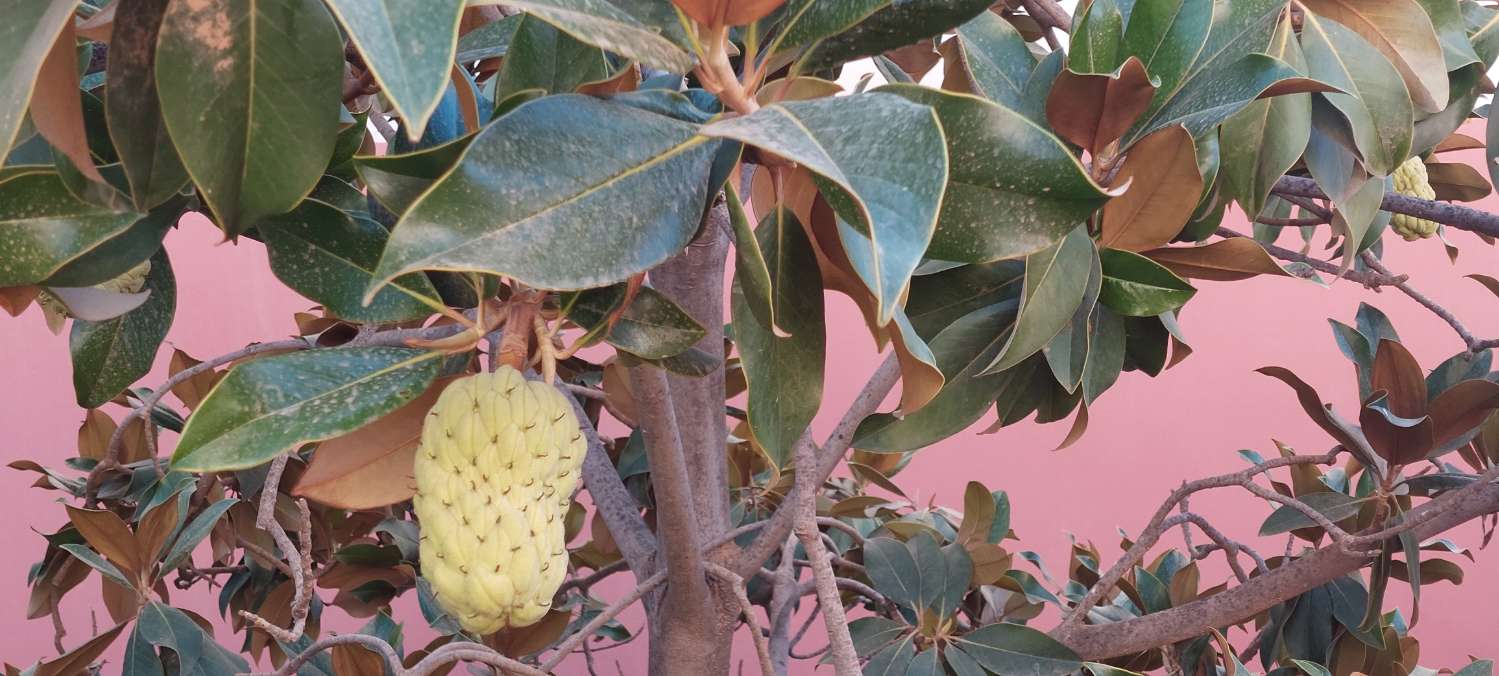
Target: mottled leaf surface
(109, 356)
(408, 46)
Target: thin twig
(299, 559)
(845, 659)
(1473, 343)
(1369, 279)
(762, 649)
(373, 643)
(566, 647)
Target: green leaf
(195, 532)
(1167, 35)
(808, 21)
(1225, 74)
(272, 404)
(1096, 39)
(1263, 141)
(117, 255)
(272, 72)
(542, 57)
(93, 560)
(892, 569)
(961, 663)
(328, 256)
(751, 272)
(1335, 506)
(1050, 297)
(396, 181)
(171, 629)
(1016, 649)
(26, 36)
(938, 300)
(996, 58)
(43, 227)
(886, 188)
(958, 574)
(489, 41)
(408, 47)
(784, 372)
(894, 659)
(1447, 18)
(1477, 668)
(1041, 205)
(1106, 351)
(1376, 106)
(639, 30)
(133, 110)
(1067, 353)
(652, 327)
(532, 198)
(926, 663)
(110, 355)
(1135, 286)
(874, 632)
(894, 24)
(962, 350)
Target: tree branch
(762, 649)
(845, 659)
(298, 558)
(1369, 279)
(1473, 343)
(780, 522)
(613, 501)
(1460, 217)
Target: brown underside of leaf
(1163, 187)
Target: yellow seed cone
(1411, 180)
(495, 473)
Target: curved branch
(1460, 217)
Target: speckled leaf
(533, 200)
(985, 143)
(43, 227)
(1015, 649)
(751, 272)
(784, 372)
(1135, 286)
(1051, 295)
(328, 256)
(1220, 78)
(1260, 143)
(1096, 39)
(811, 20)
(1167, 35)
(962, 350)
(895, 24)
(162, 626)
(1376, 106)
(408, 46)
(397, 180)
(133, 110)
(26, 36)
(488, 41)
(271, 405)
(645, 31)
(109, 356)
(993, 57)
(886, 188)
(250, 92)
(1402, 31)
(542, 57)
(652, 327)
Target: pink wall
(1146, 435)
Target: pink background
(1146, 435)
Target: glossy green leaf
(784, 372)
(26, 36)
(639, 30)
(532, 198)
(165, 627)
(1447, 18)
(808, 21)
(894, 24)
(408, 46)
(1166, 36)
(1017, 649)
(117, 255)
(398, 180)
(489, 41)
(134, 113)
(542, 57)
(273, 404)
(195, 532)
(996, 58)
(892, 569)
(1376, 106)
(894, 659)
(873, 632)
(962, 350)
(1223, 76)
(886, 188)
(1041, 205)
(1067, 353)
(43, 227)
(250, 92)
(1477, 668)
(938, 300)
(1135, 286)
(751, 272)
(1263, 141)
(1334, 506)
(652, 327)
(1050, 297)
(329, 256)
(1106, 349)
(1096, 39)
(926, 663)
(111, 355)
(961, 663)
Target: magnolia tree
(560, 174)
